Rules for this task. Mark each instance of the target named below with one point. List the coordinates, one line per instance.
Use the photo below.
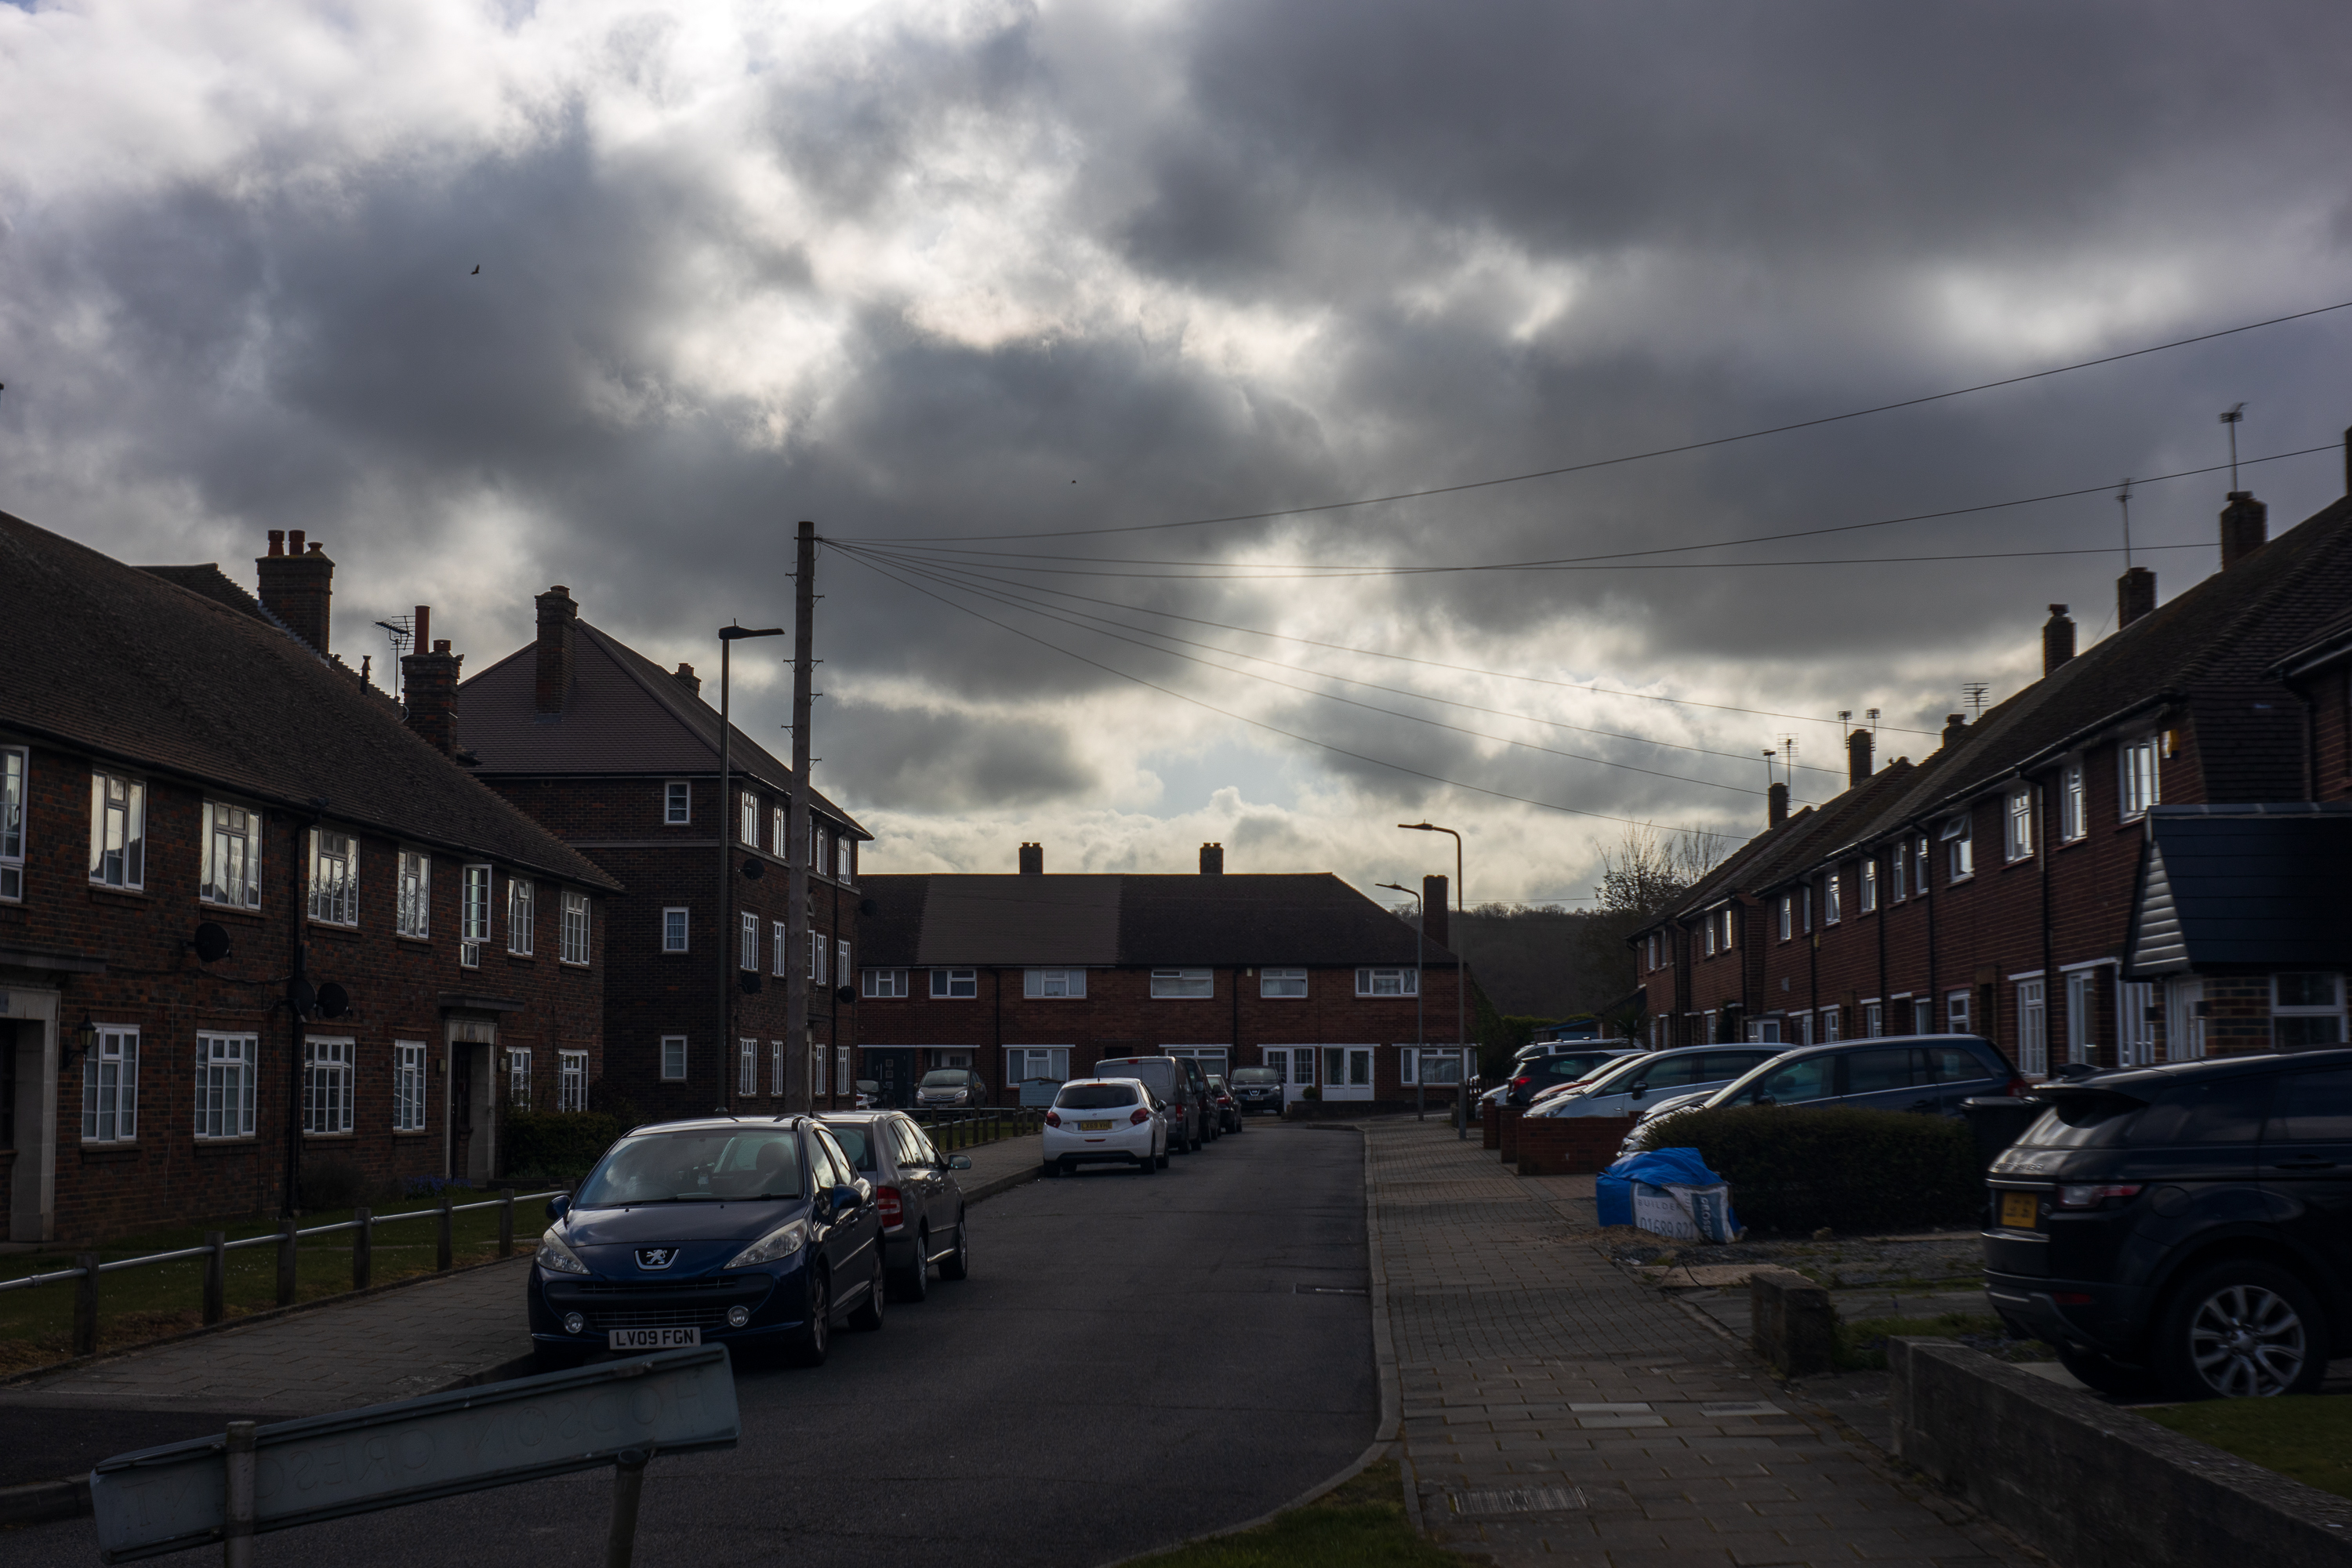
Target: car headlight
(556, 1256)
(781, 1242)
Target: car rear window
(2217, 1111)
(696, 1165)
(854, 1143)
(1094, 1097)
(1256, 1075)
(1160, 1075)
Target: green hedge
(557, 1143)
(1852, 1170)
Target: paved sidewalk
(1557, 1411)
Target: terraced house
(2140, 858)
(250, 919)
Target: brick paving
(1557, 1411)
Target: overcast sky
(932, 274)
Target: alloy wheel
(2247, 1342)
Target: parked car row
(1916, 1072)
(1137, 1110)
(763, 1234)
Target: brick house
(620, 758)
(1030, 976)
(197, 801)
(2136, 858)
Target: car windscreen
(1616, 1076)
(1095, 1096)
(696, 1165)
(945, 1078)
(1256, 1075)
(1160, 1075)
(1566, 1068)
(1807, 1078)
(855, 1143)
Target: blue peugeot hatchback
(756, 1233)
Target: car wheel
(1194, 1147)
(1147, 1164)
(867, 1316)
(1162, 1160)
(809, 1346)
(957, 1265)
(1050, 1169)
(2241, 1330)
(2111, 1378)
(915, 1283)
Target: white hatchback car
(1098, 1121)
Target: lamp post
(1420, 938)
(727, 935)
(1461, 1045)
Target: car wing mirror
(1638, 1091)
(1768, 1100)
(844, 1199)
(958, 1162)
(557, 1207)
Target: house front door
(1348, 1072)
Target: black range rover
(2184, 1230)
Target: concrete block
(1794, 1326)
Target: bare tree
(1645, 878)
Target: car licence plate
(2016, 1210)
(1094, 1126)
(651, 1339)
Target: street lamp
(726, 936)
(1420, 938)
(1462, 1087)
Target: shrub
(1794, 1170)
(611, 1102)
(556, 1143)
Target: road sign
(387, 1455)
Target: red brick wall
(1569, 1145)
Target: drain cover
(1526, 1499)
(1330, 1290)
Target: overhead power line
(1639, 457)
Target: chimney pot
(1776, 805)
(687, 679)
(1032, 859)
(298, 586)
(1436, 919)
(278, 536)
(1956, 725)
(1212, 859)
(429, 694)
(2245, 527)
(2057, 639)
(2135, 596)
(1857, 756)
(559, 620)
(294, 542)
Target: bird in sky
(476, 271)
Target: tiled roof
(137, 667)
(1170, 921)
(625, 714)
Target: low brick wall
(1569, 1145)
(1506, 1135)
(2093, 1486)
(1490, 1126)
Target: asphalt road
(1135, 1359)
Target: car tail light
(1139, 1118)
(1053, 1119)
(2017, 1086)
(2091, 1194)
(1522, 1081)
(893, 1207)
(2072, 1299)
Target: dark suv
(2183, 1229)
(1179, 1085)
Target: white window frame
(1832, 897)
(1023, 1063)
(1368, 979)
(412, 902)
(2184, 1035)
(2019, 840)
(1959, 1012)
(846, 862)
(778, 950)
(1053, 984)
(677, 928)
(474, 890)
(817, 1071)
(118, 830)
(110, 1086)
(2034, 1028)
(677, 804)
(1898, 863)
(522, 916)
(2074, 802)
(820, 956)
(1437, 1066)
(2139, 778)
(749, 824)
(842, 968)
(883, 984)
(1268, 979)
(15, 785)
(410, 1106)
(334, 877)
(1831, 1022)
(1710, 936)
(2082, 1016)
(1923, 1015)
(1874, 1019)
(1866, 878)
(2135, 1030)
(328, 1089)
(1787, 916)
(227, 1069)
(1960, 832)
(775, 1067)
(1805, 910)
(747, 944)
(842, 1080)
(673, 1058)
(778, 820)
(945, 981)
(572, 1081)
(232, 856)
(1731, 927)
(820, 848)
(747, 1065)
(2306, 1009)
(578, 929)
(1805, 1029)
(1922, 880)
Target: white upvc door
(1297, 1066)
(1348, 1072)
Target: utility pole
(796, 883)
(729, 934)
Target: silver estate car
(1629, 1086)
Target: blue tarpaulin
(1613, 1189)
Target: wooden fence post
(444, 1246)
(215, 1277)
(506, 1221)
(362, 1248)
(289, 1258)
(85, 1325)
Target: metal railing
(288, 1239)
(952, 1130)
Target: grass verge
(1361, 1524)
(2305, 1436)
(1862, 1344)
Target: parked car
(1631, 1085)
(2183, 1231)
(1229, 1109)
(951, 1085)
(1930, 1073)
(755, 1232)
(915, 1192)
(869, 1093)
(1256, 1090)
(1211, 1128)
(1536, 1074)
(1185, 1106)
(1095, 1121)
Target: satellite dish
(751, 985)
(300, 997)
(753, 870)
(211, 942)
(333, 1001)
(845, 993)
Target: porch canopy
(2245, 888)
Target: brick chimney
(687, 677)
(1955, 729)
(1857, 756)
(1776, 805)
(429, 688)
(298, 586)
(2057, 639)
(1032, 859)
(1435, 923)
(558, 625)
(2245, 527)
(2135, 596)
(1212, 859)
